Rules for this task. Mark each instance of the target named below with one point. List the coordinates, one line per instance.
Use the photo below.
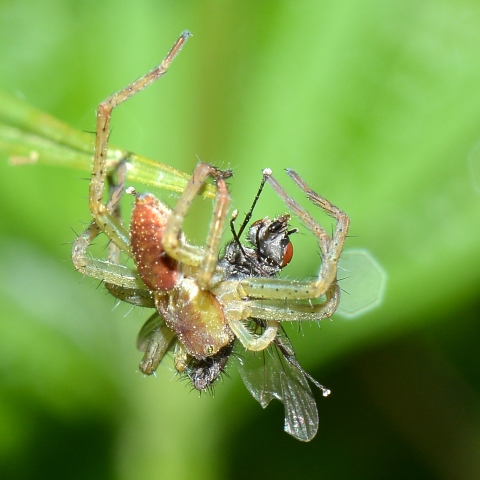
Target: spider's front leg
(331, 248)
(281, 310)
(173, 242)
(105, 220)
(335, 246)
(249, 340)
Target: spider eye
(287, 254)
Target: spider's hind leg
(118, 278)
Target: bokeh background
(377, 104)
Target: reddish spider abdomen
(156, 268)
(196, 317)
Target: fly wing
(259, 372)
(301, 415)
(275, 373)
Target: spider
(204, 305)
(277, 374)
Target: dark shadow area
(405, 409)
(60, 449)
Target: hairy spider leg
(116, 190)
(100, 213)
(205, 258)
(336, 245)
(271, 289)
(120, 280)
(288, 300)
(119, 275)
(104, 219)
(155, 339)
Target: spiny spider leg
(342, 219)
(118, 275)
(121, 281)
(250, 341)
(271, 289)
(155, 339)
(285, 311)
(173, 242)
(116, 191)
(106, 220)
(303, 215)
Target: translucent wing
(275, 373)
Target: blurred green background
(377, 105)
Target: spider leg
(330, 248)
(116, 191)
(100, 213)
(140, 297)
(155, 339)
(248, 339)
(343, 222)
(121, 281)
(180, 357)
(173, 241)
(108, 272)
(293, 311)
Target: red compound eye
(288, 254)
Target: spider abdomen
(156, 268)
